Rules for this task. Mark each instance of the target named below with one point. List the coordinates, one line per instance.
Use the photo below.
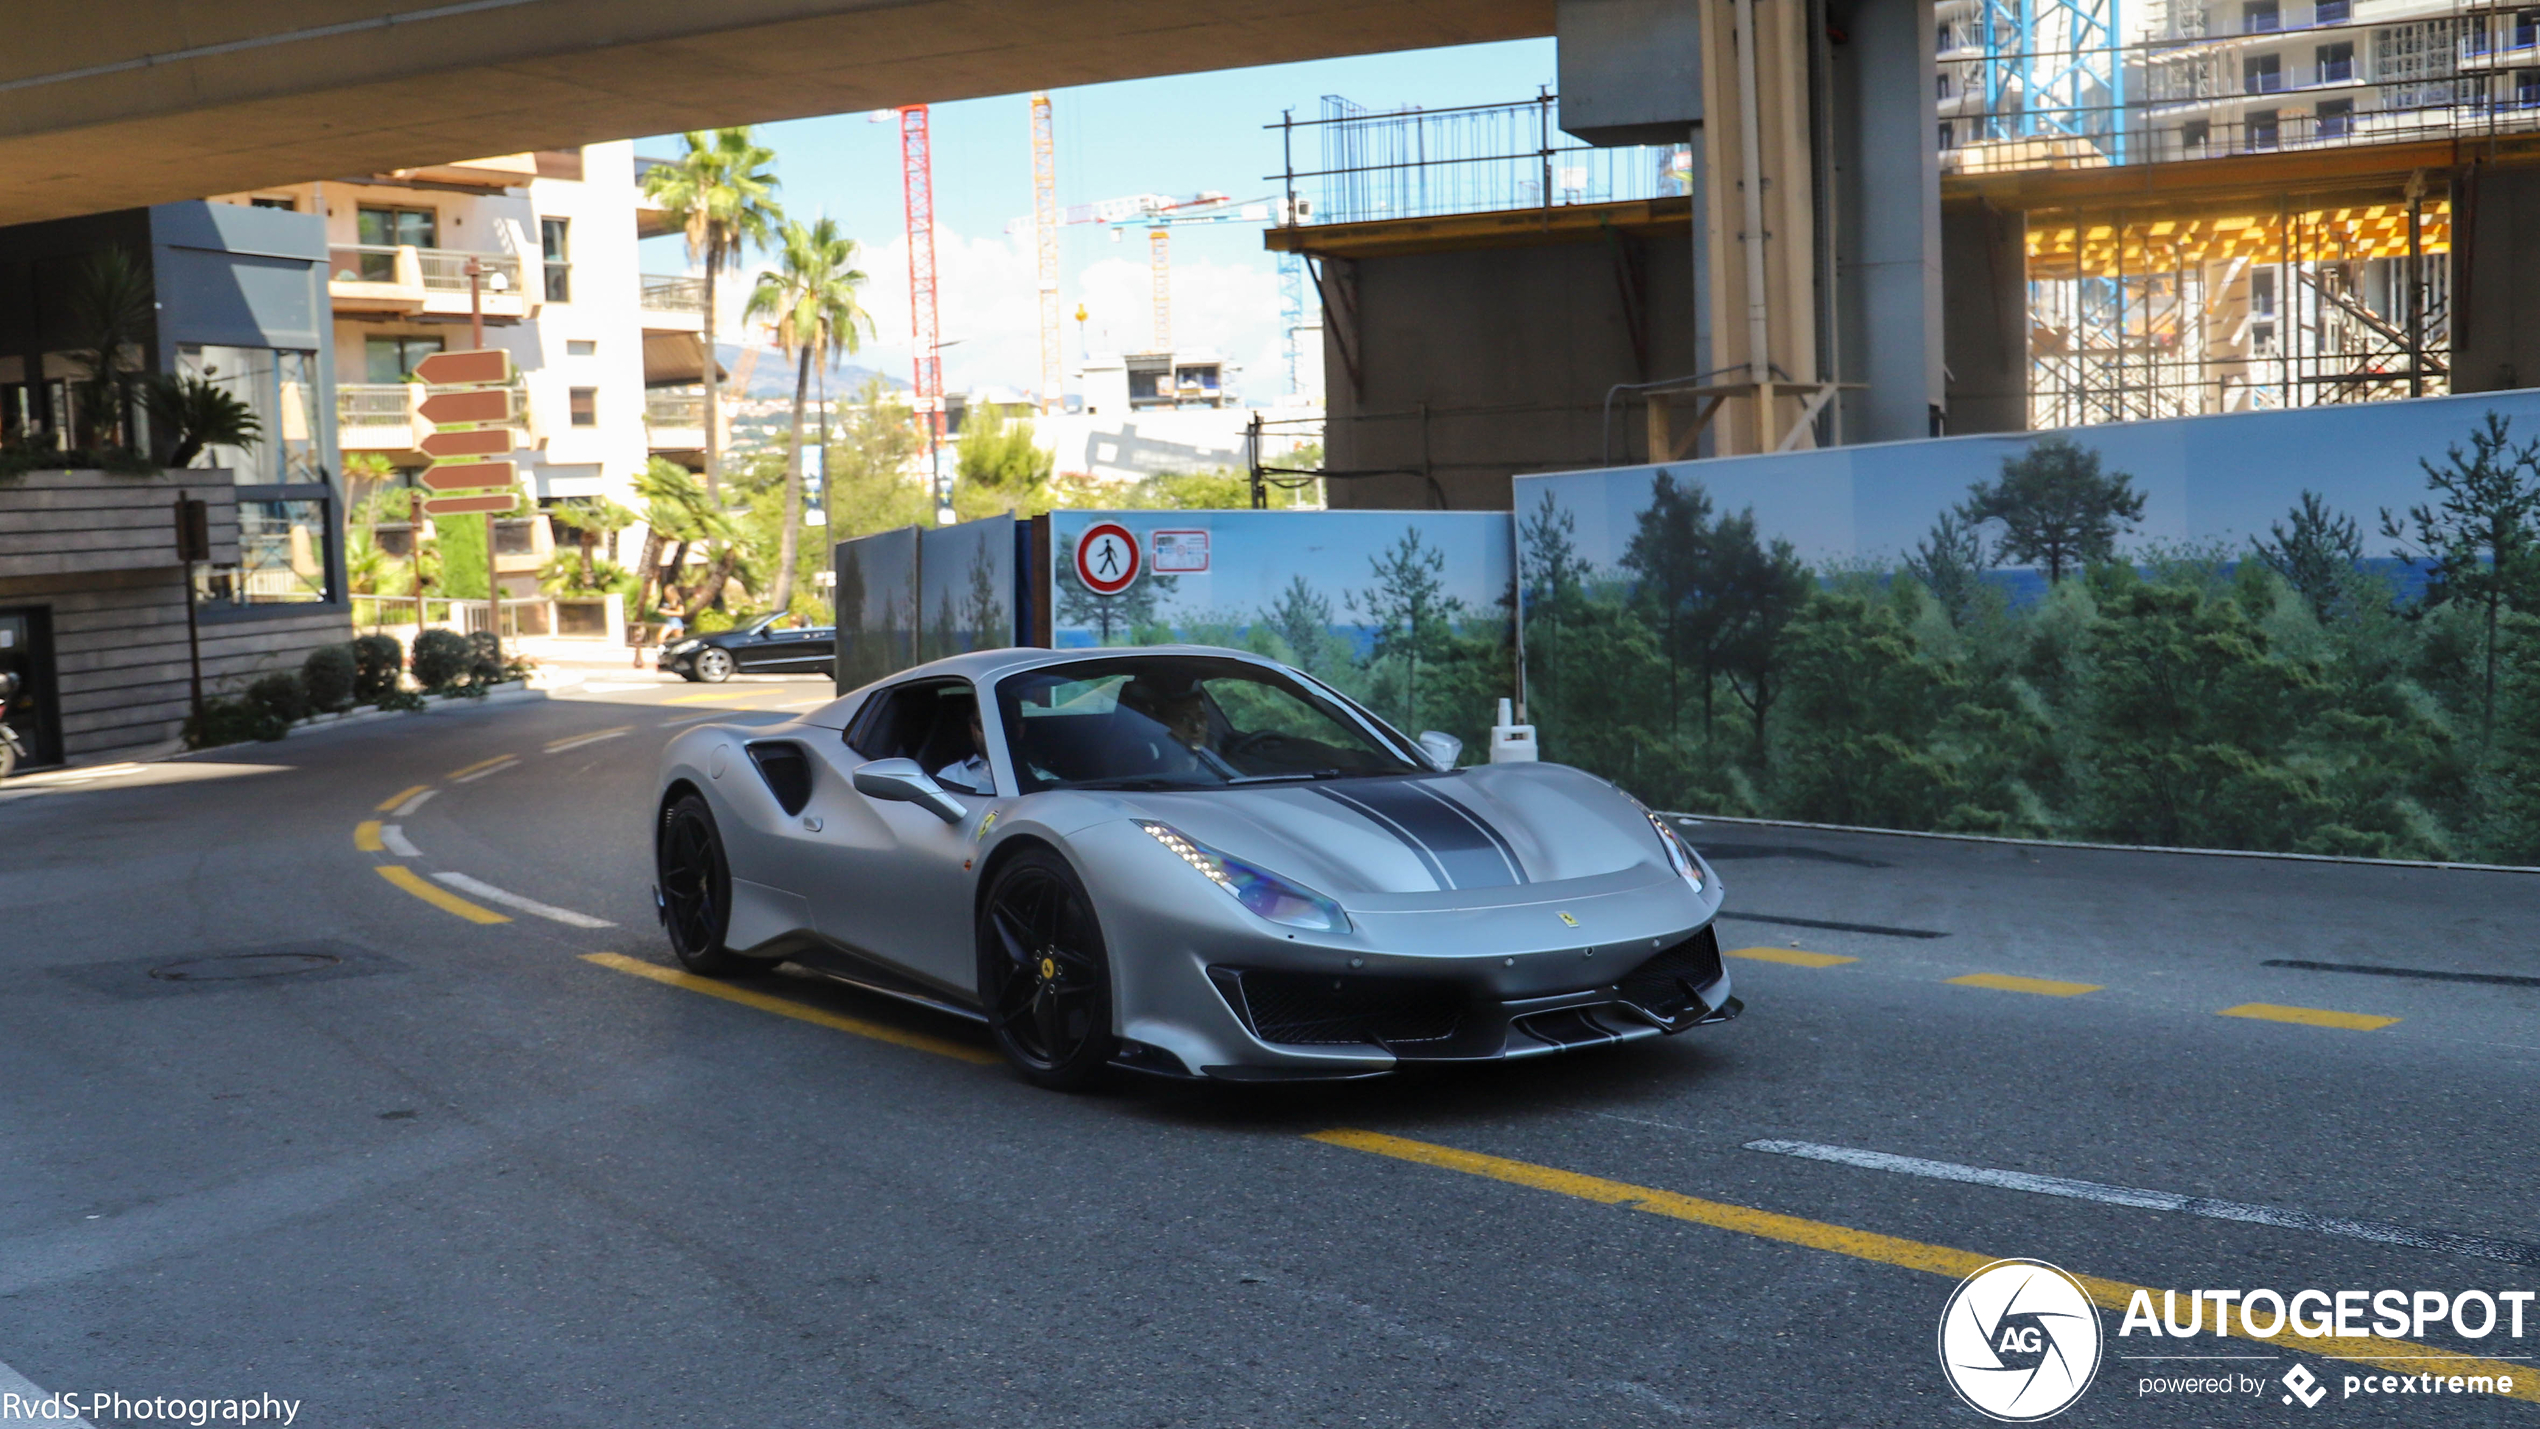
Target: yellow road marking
(1793, 956)
(558, 746)
(711, 695)
(787, 1007)
(436, 895)
(480, 764)
(366, 837)
(2042, 986)
(2398, 1355)
(2310, 1017)
(400, 797)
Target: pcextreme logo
(2019, 1341)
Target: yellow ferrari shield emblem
(1569, 921)
(1049, 969)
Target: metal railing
(362, 263)
(374, 404)
(445, 270)
(1425, 163)
(672, 294)
(675, 409)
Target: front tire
(713, 665)
(1044, 974)
(696, 888)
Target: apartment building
(542, 246)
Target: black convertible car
(768, 645)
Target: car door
(895, 882)
(758, 651)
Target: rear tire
(1044, 974)
(696, 889)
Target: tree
(719, 191)
(2317, 556)
(1671, 552)
(2055, 506)
(1410, 610)
(811, 297)
(1761, 588)
(1862, 713)
(872, 481)
(113, 310)
(997, 453)
(2481, 537)
(1303, 622)
(1109, 616)
(192, 414)
(1950, 564)
(680, 513)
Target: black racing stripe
(1428, 860)
(1470, 857)
(1507, 851)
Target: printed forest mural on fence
(1407, 612)
(2312, 690)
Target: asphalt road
(466, 1173)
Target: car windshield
(1177, 722)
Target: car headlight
(1258, 889)
(684, 646)
(1679, 857)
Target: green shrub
(485, 658)
(378, 662)
(281, 693)
(233, 721)
(402, 699)
(442, 658)
(328, 674)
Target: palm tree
(720, 191)
(811, 296)
(678, 513)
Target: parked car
(780, 644)
(1184, 861)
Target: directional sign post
(470, 400)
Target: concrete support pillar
(2495, 286)
(1760, 219)
(1886, 199)
(1984, 272)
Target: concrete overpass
(110, 104)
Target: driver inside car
(969, 775)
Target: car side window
(930, 722)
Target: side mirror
(1441, 747)
(902, 781)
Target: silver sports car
(1185, 861)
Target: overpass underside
(126, 106)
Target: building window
(1942, 34)
(2527, 88)
(2262, 74)
(393, 358)
(580, 347)
(2332, 12)
(1944, 86)
(2337, 118)
(2526, 28)
(2259, 16)
(2195, 134)
(2336, 62)
(554, 244)
(2260, 125)
(281, 389)
(285, 203)
(281, 557)
(584, 403)
(1948, 135)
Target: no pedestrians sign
(1107, 558)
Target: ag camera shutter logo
(2020, 1341)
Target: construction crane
(917, 191)
(1045, 241)
(1158, 214)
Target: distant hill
(774, 375)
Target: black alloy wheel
(1044, 977)
(696, 888)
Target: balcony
(388, 417)
(674, 304)
(371, 278)
(675, 421)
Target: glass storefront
(281, 557)
(280, 387)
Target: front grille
(1665, 984)
(1322, 1009)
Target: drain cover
(244, 965)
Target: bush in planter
(282, 694)
(232, 721)
(485, 662)
(328, 675)
(378, 663)
(442, 658)
(402, 699)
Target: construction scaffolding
(1428, 163)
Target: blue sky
(1175, 135)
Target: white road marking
(407, 808)
(491, 894)
(614, 686)
(14, 1384)
(561, 745)
(394, 840)
(512, 763)
(2382, 1232)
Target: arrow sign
(468, 368)
(479, 443)
(468, 475)
(495, 503)
(478, 404)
